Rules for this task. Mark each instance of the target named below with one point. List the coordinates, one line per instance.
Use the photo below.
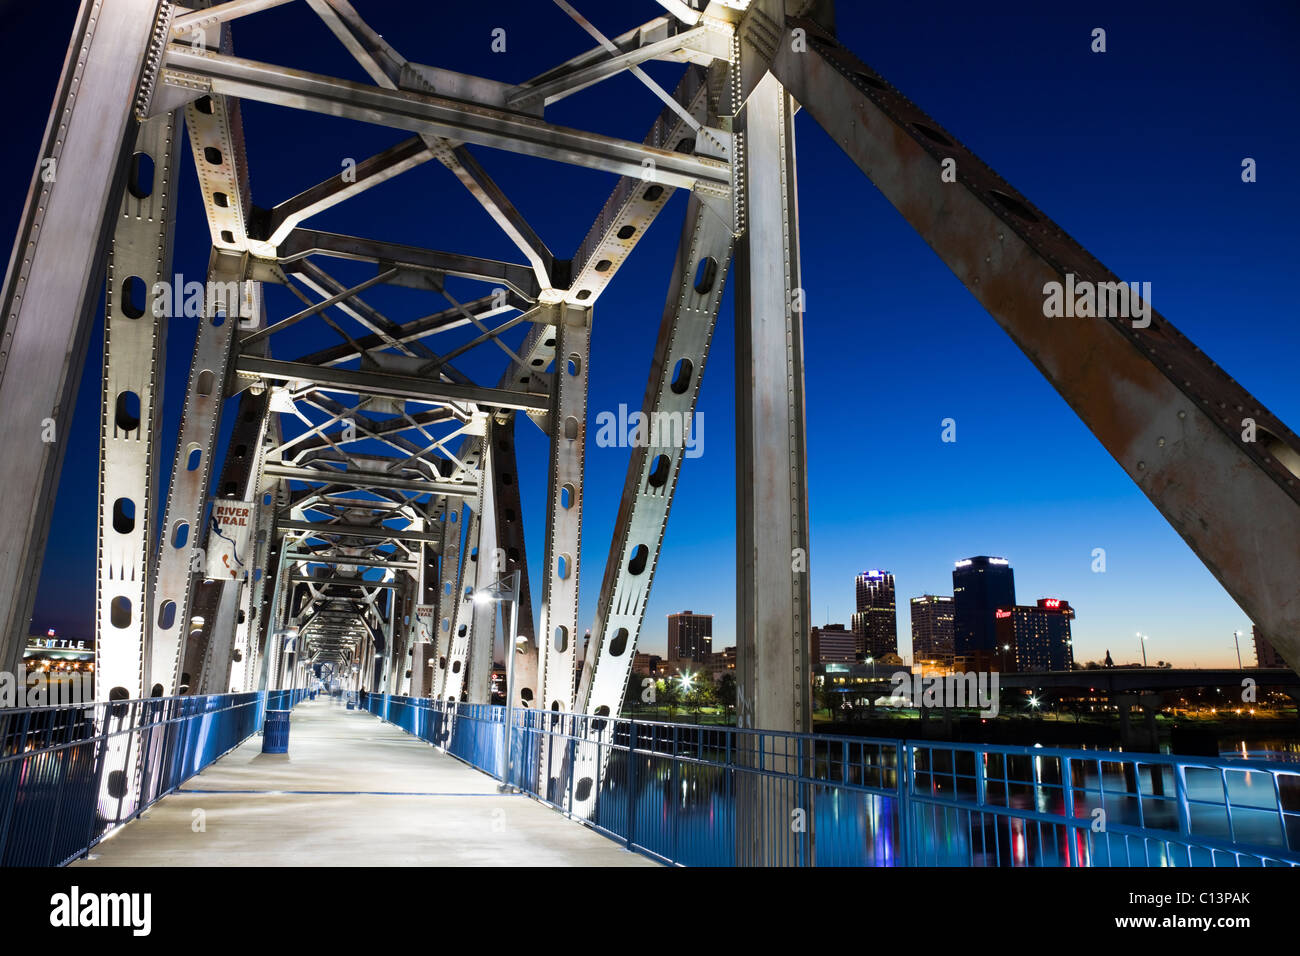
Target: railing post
(572, 752)
(1067, 785)
(1184, 811)
(803, 794)
(11, 797)
(905, 836)
(100, 760)
(631, 781)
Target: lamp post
(1143, 638)
(499, 590)
(1236, 639)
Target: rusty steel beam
(1170, 417)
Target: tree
(829, 697)
(668, 692)
(726, 691)
(635, 687)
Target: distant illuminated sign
(963, 563)
(1051, 602)
(62, 643)
(1001, 614)
(997, 560)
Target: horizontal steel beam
(358, 382)
(365, 479)
(305, 242)
(350, 560)
(439, 116)
(360, 531)
(341, 582)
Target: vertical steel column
(265, 507)
(240, 474)
(568, 419)
(53, 279)
(453, 688)
(448, 594)
(510, 538)
(486, 571)
(388, 680)
(214, 676)
(281, 597)
(404, 626)
(134, 347)
(772, 597)
(685, 333)
(187, 493)
(772, 593)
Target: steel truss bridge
(369, 533)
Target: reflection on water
(1284, 750)
(685, 810)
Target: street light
(1236, 640)
(687, 681)
(499, 590)
(1144, 638)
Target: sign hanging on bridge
(424, 616)
(229, 528)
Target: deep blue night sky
(1136, 152)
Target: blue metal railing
(721, 796)
(69, 776)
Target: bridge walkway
(352, 791)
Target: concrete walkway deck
(352, 791)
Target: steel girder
(379, 532)
(53, 280)
(448, 590)
(418, 268)
(568, 415)
(676, 370)
(216, 602)
(631, 208)
(252, 484)
(243, 655)
(384, 384)
(772, 591)
(434, 115)
(510, 541)
(130, 409)
(485, 566)
(392, 71)
(1169, 416)
(187, 493)
(452, 677)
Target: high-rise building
(876, 620)
(832, 644)
(1266, 654)
(980, 585)
(690, 636)
(1035, 638)
(932, 633)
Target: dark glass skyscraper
(876, 620)
(980, 585)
